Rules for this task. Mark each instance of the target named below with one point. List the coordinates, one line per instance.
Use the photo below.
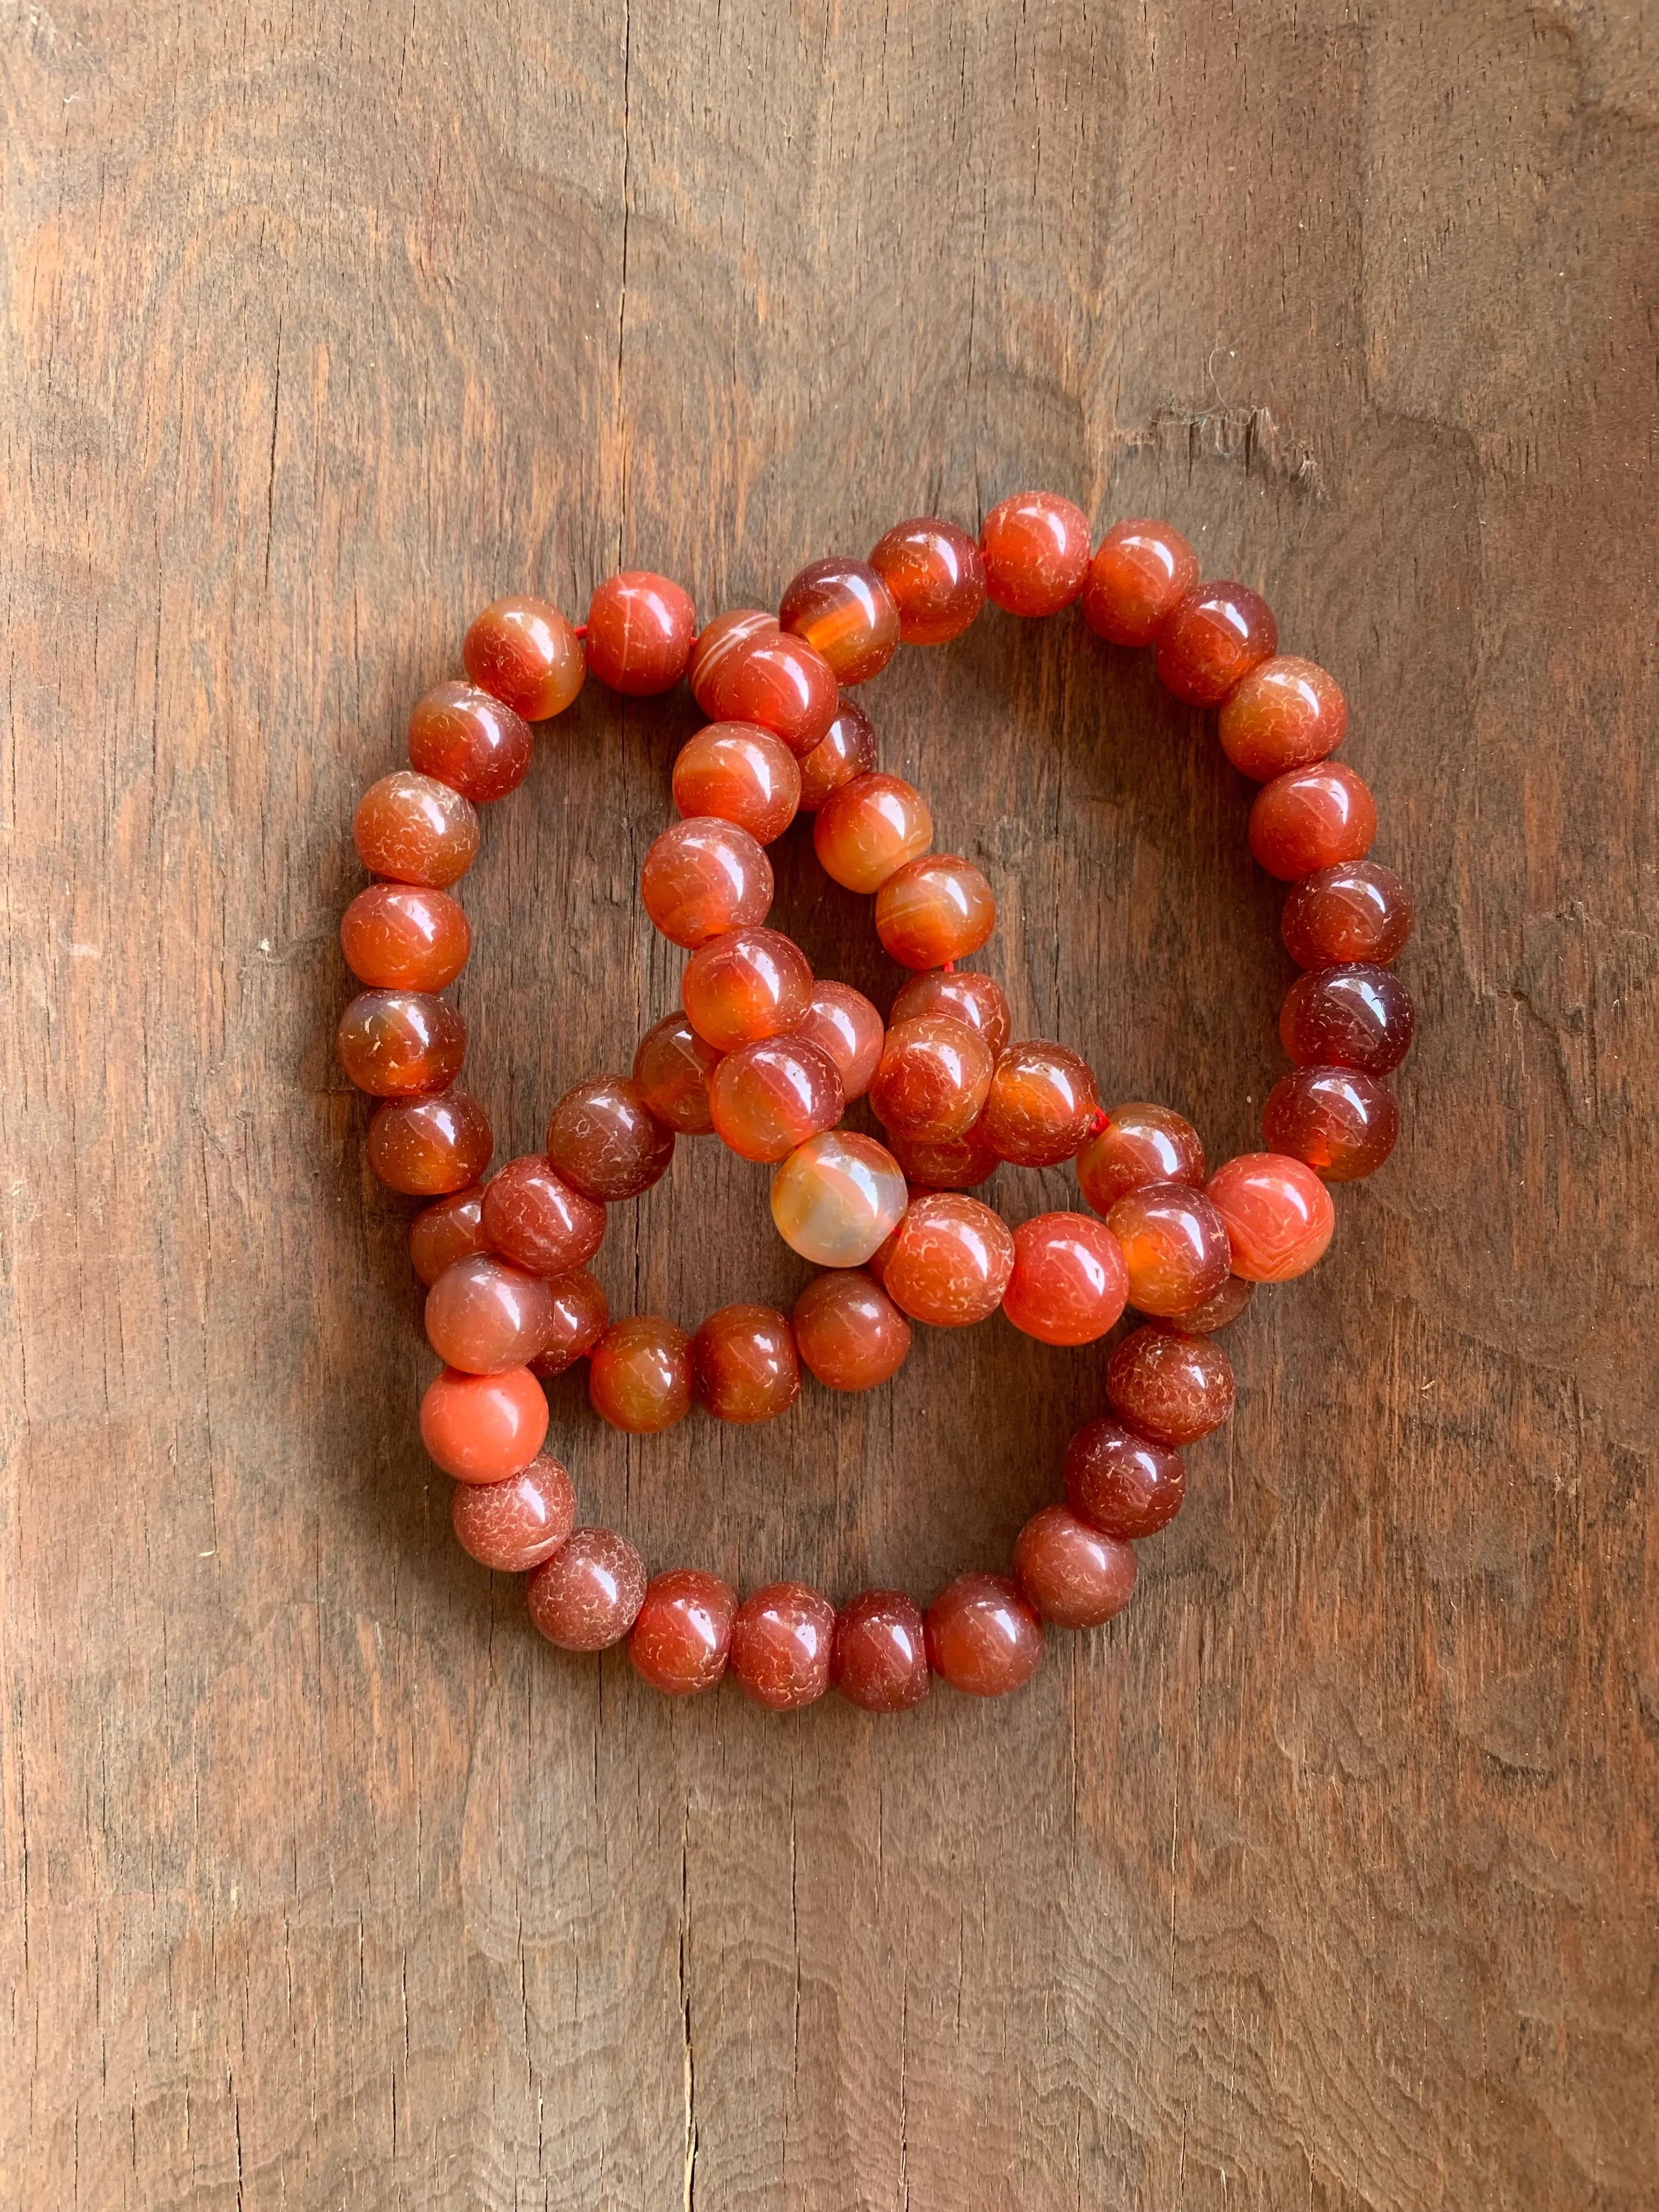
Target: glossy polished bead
(450, 1229)
(848, 1331)
(640, 629)
(1169, 1388)
(1041, 1101)
(639, 1375)
(397, 1044)
(1218, 1310)
(778, 681)
(933, 1080)
(512, 1526)
(868, 830)
(1360, 1016)
(949, 1262)
(1341, 1121)
(936, 576)
(718, 645)
(426, 1146)
(781, 1645)
(1141, 1143)
(586, 1596)
(476, 744)
(1311, 818)
(1140, 575)
(1068, 1285)
(749, 984)
(402, 937)
(847, 748)
(947, 1163)
(482, 1428)
(836, 1198)
(483, 1315)
(842, 1022)
(962, 994)
(1070, 1573)
(1279, 1215)
(879, 1658)
(1175, 1246)
(1121, 1484)
(703, 878)
(844, 611)
(534, 1218)
(672, 1069)
(766, 1098)
(606, 1141)
(1285, 714)
(739, 772)
(524, 652)
(581, 1313)
(1212, 640)
(1036, 550)
(982, 1637)
(743, 1364)
(937, 908)
(1358, 910)
(415, 831)
(682, 1637)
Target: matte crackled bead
(606, 1141)
(782, 1641)
(426, 1146)
(1070, 1573)
(580, 1315)
(450, 1229)
(639, 629)
(865, 832)
(483, 1315)
(482, 1428)
(1356, 1016)
(848, 1331)
(1036, 550)
(933, 1080)
(1141, 1143)
(476, 744)
(1279, 1215)
(512, 1526)
(847, 748)
(768, 1098)
(639, 1375)
(415, 829)
(1357, 910)
(671, 1067)
(1121, 1483)
(1041, 1102)
(1286, 714)
(703, 877)
(681, 1638)
(738, 772)
(396, 1044)
(749, 984)
(404, 937)
(949, 1262)
(879, 1659)
(837, 1198)
(982, 1637)
(936, 576)
(743, 1363)
(1138, 578)
(1069, 1284)
(1173, 1244)
(534, 1218)
(936, 909)
(1341, 1120)
(964, 995)
(1169, 1388)
(842, 1023)
(844, 610)
(1311, 818)
(587, 1596)
(524, 652)
(1212, 640)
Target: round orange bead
(1279, 1215)
(982, 1637)
(524, 652)
(848, 1331)
(403, 936)
(479, 746)
(1041, 1102)
(847, 748)
(1137, 579)
(534, 1218)
(681, 1638)
(842, 1022)
(1175, 1246)
(844, 611)
(739, 772)
(1311, 818)
(776, 680)
(937, 578)
(937, 908)
(415, 829)
(766, 1098)
(1141, 1143)
(586, 1596)
(639, 1375)
(1069, 1572)
(1036, 550)
(450, 1229)
(606, 1141)
(749, 984)
(964, 996)
(581, 1313)
(1212, 640)
(743, 1364)
(671, 1069)
(702, 878)
(484, 1316)
(424, 1147)
(933, 1080)
(868, 830)
(640, 629)
(718, 645)
(1285, 714)
(781, 1645)
(512, 1526)
(397, 1044)
(482, 1428)
(949, 1262)
(1068, 1284)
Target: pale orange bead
(936, 909)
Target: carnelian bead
(449, 1230)
(1279, 1215)
(606, 1141)
(512, 1526)
(964, 996)
(1036, 550)
(777, 681)
(847, 748)
(1121, 1484)
(848, 1331)
(844, 611)
(482, 1428)
(879, 1659)
(524, 652)
(1217, 1311)
(947, 1163)
(1169, 1388)
(868, 830)
(581, 1313)
(768, 1098)
(982, 1637)
(534, 1218)
(1070, 1573)
(718, 644)
(1358, 910)
(476, 744)
(415, 831)
(1341, 1120)
(749, 984)
(672, 1069)
(1360, 1016)
(640, 629)
(842, 1022)
(587, 1596)
(1212, 640)
(639, 1375)
(1068, 1285)
(933, 1080)
(1140, 575)
(681, 1640)
(402, 937)
(937, 908)
(780, 1643)
(739, 772)
(743, 1364)
(1285, 714)
(397, 1044)
(426, 1146)
(837, 1198)
(702, 878)
(1311, 818)
(949, 1262)
(484, 1316)
(1175, 1246)
(1041, 1102)
(937, 578)
(1141, 1143)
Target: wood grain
(1327, 1877)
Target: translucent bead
(775, 680)
(933, 1080)
(1137, 579)
(426, 1146)
(964, 996)
(842, 1022)
(397, 1044)
(586, 1596)
(878, 1661)
(1221, 1307)
(868, 830)
(512, 1526)
(606, 1141)
(949, 1262)
(766, 1098)
(1070, 1573)
(844, 611)
(1357, 910)
(1041, 1102)
(524, 652)
(415, 831)
(1121, 1484)
(639, 1375)
(1286, 714)
(1342, 1122)
(744, 1366)
(1141, 1143)
(847, 748)
(640, 629)
(401, 937)
(749, 984)
(672, 1069)
(718, 645)
(1175, 1246)
(703, 878)
(836, 1198)
(482, 1428)
(1169, 1387)
(937, 908)
(1036, 550)
(739, 772)
(484, 1316)
(1279, 1215)
(581, 1313)
(1068, 1285)
(1212, 640)
(1311, 818)
(477, 745)
(781, 1645)
(449, 1230)
(937, 578)
(848, 1331)
(947, 1163)
(682, 1637)
(535, 1219)
(983, 1637)
(1350, 1016)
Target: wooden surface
(1326, 1877)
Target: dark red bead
(1216, 635)
(934, 572)
(1341, 1121)
(879, 1658)
(1126, 1486)
(1357, 910)
(1360, 1015)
